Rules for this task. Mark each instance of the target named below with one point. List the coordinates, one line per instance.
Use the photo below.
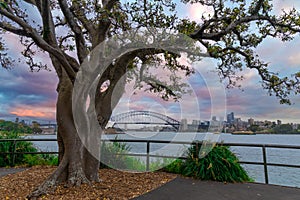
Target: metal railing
(147, 154)
(14, 151)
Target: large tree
(67, 31)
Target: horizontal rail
(38, 152)
(165, 142)
(148, 155)
(28, 140)
(218, 143)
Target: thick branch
(79, 12)
(82, 51)
(48, 24)
(14, 30)
(257, 7)
(104, 21)
(41, 42)
(109, 4)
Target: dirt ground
(114, 185)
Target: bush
(220, 164)
(22, 159)
(111, 157)
(40, 159)
(175, 167)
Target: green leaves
(220, 164)
(187, 27)
(3, 4)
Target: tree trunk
(76, 165)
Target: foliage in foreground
(220, 164)
(22, 159)
(111, 157)
(15, 127)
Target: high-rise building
(221, 119)
(196, 122)
(230, 118)
(183, 125)
(251, 121)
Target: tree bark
(73, 168)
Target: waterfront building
(230, 118)
(251, 121)
(183, 125)
(196, 122)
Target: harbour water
(277, 175)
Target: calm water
(277, 175)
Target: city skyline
(191, 121)
(33, 96)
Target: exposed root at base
(78, 178)
(75, 178)
(47, 187)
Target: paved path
(189, 189)
(5, 171)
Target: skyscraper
(230, 118)
(183, 125)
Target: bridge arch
(167, 120)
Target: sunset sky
(32, 96)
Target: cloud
(33, 95)
(27, 94)
(23, 112)
(285, 5)
(294, 59)
(196, 10)
(207, 97)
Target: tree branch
(41, 42)
(257, 7)
(109, 4)
(80, 15)
(12, 29)
(199, 34)
(82, 51)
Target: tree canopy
(68, 31)
(230, 33)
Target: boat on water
(243, 133)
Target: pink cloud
(285, 5)
(294, 59)
(195, 11)
(46, 111)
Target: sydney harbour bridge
(136, 119)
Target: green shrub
(111, 157)
(40, 159)
(220, 164)
(22, 146)
(174, 167)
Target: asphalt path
(188, 189)
(6, 171)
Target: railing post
(13, 153)
(148, 157)
(265, 164)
